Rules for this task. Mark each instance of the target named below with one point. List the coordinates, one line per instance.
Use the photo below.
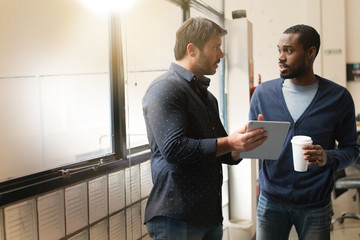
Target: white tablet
(271, 148)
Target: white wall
(352, 42)
(336, 21)
(333, 40)
(271, 18)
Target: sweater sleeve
(347, 150)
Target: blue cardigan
(330, 117)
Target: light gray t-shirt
(298, 98)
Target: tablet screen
(271, 148)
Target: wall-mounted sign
(332, 51)
(353, 71)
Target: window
(71, 84)
(148, 39)
(55, 86)
(213, 10)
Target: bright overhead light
(108, 5)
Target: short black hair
(308, 36)
(197, 31)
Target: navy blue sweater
(330, 117)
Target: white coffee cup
(300, 165)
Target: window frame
(45, 181)
(17, 189)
